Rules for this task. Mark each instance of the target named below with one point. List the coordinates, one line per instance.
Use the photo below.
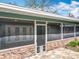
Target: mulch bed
(76, 49)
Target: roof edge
(32, 12)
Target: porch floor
(59, 53)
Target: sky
(19, 2)
(63, 6)
(22, 2)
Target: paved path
(60, 53)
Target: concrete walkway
(60, 53)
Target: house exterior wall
(29, 50)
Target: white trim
(45, 25)
(35, 34)
(46, 35)
(41, 24)
(75, 31)
(61, 31)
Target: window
(24, 31)
(17, 31)
(54, 31)
(68, 31)
(77, 30)
(13, 35)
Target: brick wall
(58, 43)
(77, 38)
(18, 53)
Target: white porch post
(46, 35)
(35, 36)
(75, 31)
(61, 31)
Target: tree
(31, 3)
(44, 3)
(41, 4)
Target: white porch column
(61, 31)
(75, 31)
(35, 37)
(46, 34)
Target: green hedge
(73, 43)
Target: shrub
(73, 43)
(78, 43)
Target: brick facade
(18, 52)
(58, 43)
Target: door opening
(41, 38)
